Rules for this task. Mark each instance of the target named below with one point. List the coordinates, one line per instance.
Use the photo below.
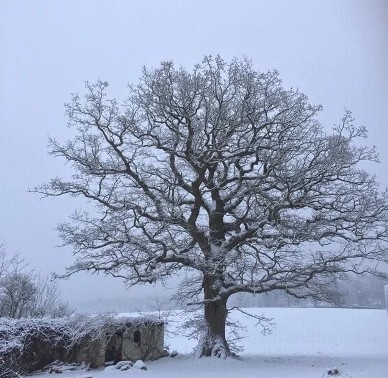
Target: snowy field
(305, 343)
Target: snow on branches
(223, 172)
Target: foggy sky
(334, 51)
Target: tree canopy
(222, 171)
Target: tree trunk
(213, 339)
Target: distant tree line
(354, 291)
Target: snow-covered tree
(23, 293)
(18, 289)
(7, 262)
(225, 173)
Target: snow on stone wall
(30, 344)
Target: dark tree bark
(225, 173)
(215, 314)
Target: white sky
(334, 51)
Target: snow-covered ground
(305, 343)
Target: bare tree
(26, 295)
(18, 290)
(4, 262)
(9, 263)
(47, 300)
(16, 287)
(225, 173)
(23, 293)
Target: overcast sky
(334, 51)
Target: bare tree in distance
(23, 293)
(17, 291)
(223, 172)
(9, 262)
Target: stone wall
(139, 341)
(31, 344)
(145, 342)
(90, 351)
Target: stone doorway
(113, 349)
